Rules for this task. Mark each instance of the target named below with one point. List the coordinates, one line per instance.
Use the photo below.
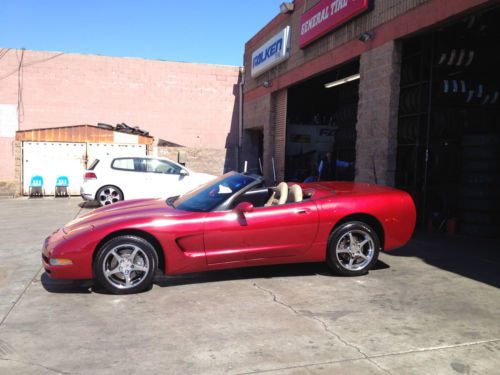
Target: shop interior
(321, 118)
(449, 125)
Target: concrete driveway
(431, 307)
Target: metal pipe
(240, 116)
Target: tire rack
(449, 125)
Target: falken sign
(271, 53)
(328, 15)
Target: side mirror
(244, 207)
(183, 173)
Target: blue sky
(195, 31)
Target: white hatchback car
(111, 180)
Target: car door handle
(303, 211)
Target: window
(208, 196)
(162, 166)
(124, 164)
(130, 164)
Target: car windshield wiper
(170, 201)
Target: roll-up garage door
(51, 160)
(54, 159)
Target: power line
(20, 103)
(29, 64)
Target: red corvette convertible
(233, 221)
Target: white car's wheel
(108, 195)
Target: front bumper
(78, 269)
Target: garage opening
(321, 119)
(449, 125)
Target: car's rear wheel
(353, 249)
(125, 265)
(108, 195)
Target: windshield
(208, 196)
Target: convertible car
(230, 222)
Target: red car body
(200, 241)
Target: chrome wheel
(108, 195)
(355, 250)
(125, 266)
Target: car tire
(353, 249)
(109, 194)
(125, 265)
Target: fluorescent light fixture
(342, 81)
(286, 8)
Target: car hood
(125, 210)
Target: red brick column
(377, 114)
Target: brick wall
(194, 105)
(378, 114)
(205, 160)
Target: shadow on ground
(65, 286)
(263, 272)
(475, 258)
(89, 204)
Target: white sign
(8, 120)
(271, 53)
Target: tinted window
(162, 166)
(130, 164)
(210, 195)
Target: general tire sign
(271, 53)
(328, 15)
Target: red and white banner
(328, 15)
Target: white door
(130, 175)
(51, 160)
(101, 150)
(166, 177)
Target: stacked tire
(480, 191)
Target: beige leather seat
(295, 194)
(279, 196)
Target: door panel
(268, 232)
(166, 178)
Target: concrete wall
(194, 105)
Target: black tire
(337, 260)
(481, 140)
(109, 194)
(480, 230)
(486, 205)
(481, 178)
(481, 166)
(118, 282)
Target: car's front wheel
(125, 265)
(353, 249)
(108, 195)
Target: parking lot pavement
(431, 307)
